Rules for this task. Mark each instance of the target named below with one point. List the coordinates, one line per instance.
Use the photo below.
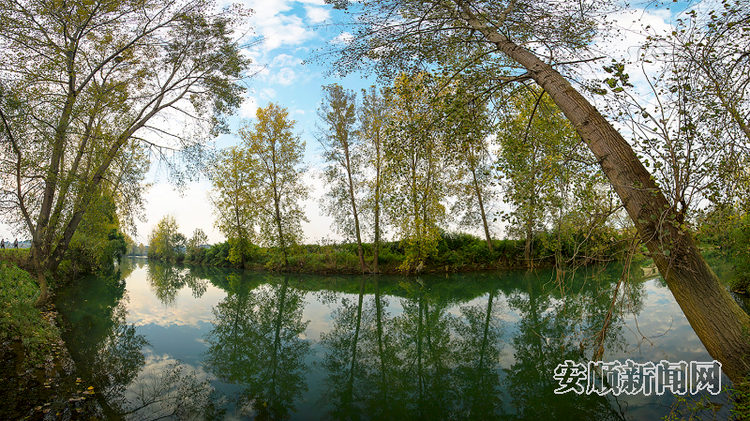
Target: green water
(161, 340)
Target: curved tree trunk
(716, 318)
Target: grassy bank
(37, 378)
(456, 252)
(20, 320)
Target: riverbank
(455, 253)
(37, 375)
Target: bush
(388, 254)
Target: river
(163, 341)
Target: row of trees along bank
(407, 160)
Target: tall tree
(231, 181)
(274, 156)
(343, 174)
(164, 239)
(373, 112)
(83, 80)
(538, 147)
(414, 154)
(468, 127)
(194, 243)
(511, 38)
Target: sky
(290, 31)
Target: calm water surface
(164, 341)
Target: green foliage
(231, 196)
(741, 397)
(415, 152)
(81, 83)
(550, 178)
(218, 255)
(727, 229)
(342, 151)
(165, 242)
(97, 242)
(19, 257)
(19, 319)
(194, 252)
(469, 126)
(275, 189)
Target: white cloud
(249, 107)
(283, 31)
(285, 60)
(317, 14)
(285, 77)
(342, 38)
(267, 94)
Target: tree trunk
(360, 251)
(277, 208)
(43, 288)
(716, 318)
(376, 241)
(478, 192)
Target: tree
(98, 241)
(198, 239)
(235, 216)
(414, 158)
(164, 240)
(712, 46)
(273, 155)
(343, 174)
(84, 82)
(469, 127)
(540, 153)
(692, 127)
(509, 38)
(373, 112)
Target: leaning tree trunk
(716, 318)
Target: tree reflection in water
(256, 343)
(471, 347)
(554, 327)
(166, 280)
(110, 354)
(422, 364)
(433, 362)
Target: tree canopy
(88, 87)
